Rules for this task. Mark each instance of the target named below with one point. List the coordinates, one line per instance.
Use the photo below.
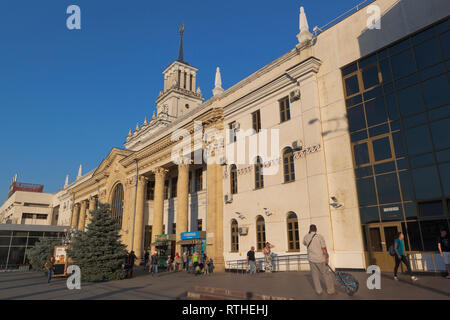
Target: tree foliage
(98, 251)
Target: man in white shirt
(318, 260)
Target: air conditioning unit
(294, 95)
(297, 145)
(243, 231)
(228, 198)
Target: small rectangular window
(285, 112)
(256, 121)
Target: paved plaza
(297, 285)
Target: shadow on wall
(333, 124)
(403, 18)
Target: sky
(68, 96)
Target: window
(117, 204)
(292, 230)
(260, 233)
(190, 182)
(174, 228)
(381, 149)
(361, 152)
(232, 131)
(285, 111)
(430, 233)
(431, 209)
(351, 85)
(256, 121)
(288, 165)
(199, 224)
(151, 190)
(199, 179)
(234, 236)
(233, 179)
(173, 193)
(259, 177)
(147, 237)
(370, 77)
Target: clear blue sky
(68, 96)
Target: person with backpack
(398, 251)
(318, 260)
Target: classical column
(158, 203)
(138, 243)
(182, 200)
(211, 211)
(82, 215)
(92, 201)
(219, 262)
(75, 215)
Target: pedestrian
(169, 264)
(185, 260)
(268, 267)
(318, 260)
(444, 250)
(146, 258)
(131, 259)
(50, 268)
(211, 266)
(177, 261)
(251, 261)
(195, 260)
(154, 264)
(399, 248)
(206, 265)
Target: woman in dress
(268, 257)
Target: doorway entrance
(380, 236)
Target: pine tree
(98, 251)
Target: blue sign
(190, 235)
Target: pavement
(180, 285)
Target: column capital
(160, 171)
(142, 179)
(76, 205)
(92, 198)
(84, 202)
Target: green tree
(98, 251)
(42, 250)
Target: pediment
(111, 162)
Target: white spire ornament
(304, 36)
(79, 172)
(218, 83)
(137, 126)
(66, 184)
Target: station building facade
(360, 115)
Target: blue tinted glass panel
(387, 187)
(410, 100)
(381, 149)
(369, 215)
(427, 53)
(422, 160)
(406, 185)
(436, 91)
(356, 118)
(418, 140)
(361, 154)
(366, 192)
(444, 171)
(426, 183)
(403, 64)
(375, 111)
(441, 133)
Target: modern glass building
(398, 105)
(15, 240)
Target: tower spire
(218, 83)
(180, 50)
(304, 36)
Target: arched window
(259, 177)
(234, 236)
(288, 165)
(260, 233)
(292, 230)
(233, 179)
(117, 204)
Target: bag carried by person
(392, 250)
(346, 281)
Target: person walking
(195, 260)
(268, 267)
(444, 250)
(251, 261)
(318, 260)
(185, 260)
(131, 259)
(169, 264)
(154, 264)
(50, 268)
(177, 261)
(206, 264)
(146, 258)
(399, 248)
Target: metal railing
(426, 262)
(292, 262)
